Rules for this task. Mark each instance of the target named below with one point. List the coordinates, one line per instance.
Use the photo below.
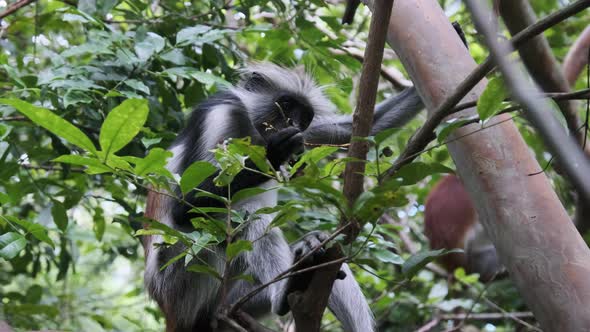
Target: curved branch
(538, 58)
(577, 57)
(424, 135)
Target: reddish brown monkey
(451, 222)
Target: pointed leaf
(247, 193)
(204, 269)
(491, 99)
(36, 230)
(92, 163)
(60, 217)
(11, 245)
(154, 162)
(235, 248)
(417, 261)
(53, 123)
(122, 124)
(195, 174)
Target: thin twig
(557, 96)
(14, 7)
(488, 315)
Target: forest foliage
(93, 92)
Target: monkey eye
(285, 102)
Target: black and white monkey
(299, 112)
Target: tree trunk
(535, 239)
(544, 68)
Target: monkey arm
(394, 112)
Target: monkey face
(280, 107)
(294, 111)
(285, 110)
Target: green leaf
(446, 128)
(195, 174)
(387, 256)
(153, 43)
(4, 198)
(14, 75)
(247, 193)
(279, 5)
(4, 131)
(147, 142)
(99, 225)
(154, 162)
(194, 73)
(214, 227)
(412, 173)
(30, 309)
(92, 163)
(189, 35)
(11, 245)
(53, 123)
(287, 213)
(60, 217)
(175, 56)
(235, 248)
(75, 97)
(36, 230)
(173, 260)
(417, 261)
(256, 153)
(491, 99)
(198, 268)
(156, 225)
(313, 156)
(122, 124)
(137, 85)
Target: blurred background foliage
(79, 264)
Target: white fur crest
(292, 80)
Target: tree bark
(308, 306)
(577, 57)
(362, 119)
(538, 58)
(535, 239)
(544, 68)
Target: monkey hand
(281, 145)
(309, 242)
(312, 241)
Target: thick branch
(538, 112)
(577, 57)
(425, 134)
(539, 60)
(557, 273)
(307, 307)
(521, 214)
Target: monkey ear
(255, 82)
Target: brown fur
(449, 215)
(151, 211)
